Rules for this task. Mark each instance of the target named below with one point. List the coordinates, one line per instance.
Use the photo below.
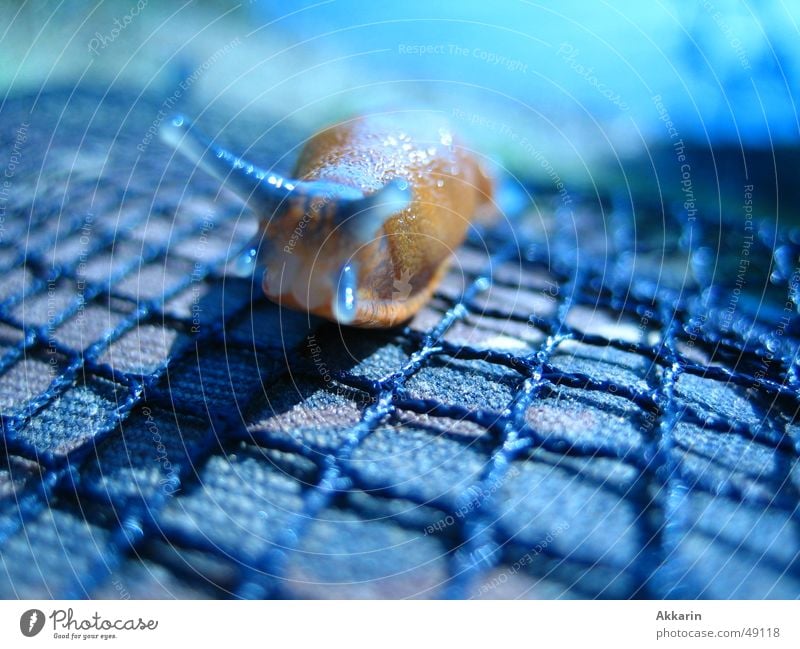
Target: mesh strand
(565, 418)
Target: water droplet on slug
(245, 262)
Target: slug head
(312, 232)
(312, 242)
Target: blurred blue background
(728, 70)
(590, 93)
(575, 79)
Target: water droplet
(482, 283)
(345, 302)
(245, 261)
(785, 259)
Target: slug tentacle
(345, 302)
(364, 217)
(253, 185)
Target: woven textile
(575, 413)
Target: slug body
(364, 232)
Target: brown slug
(364, 233)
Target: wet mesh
(576, 413)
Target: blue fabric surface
(546, 427)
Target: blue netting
(577, 413)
